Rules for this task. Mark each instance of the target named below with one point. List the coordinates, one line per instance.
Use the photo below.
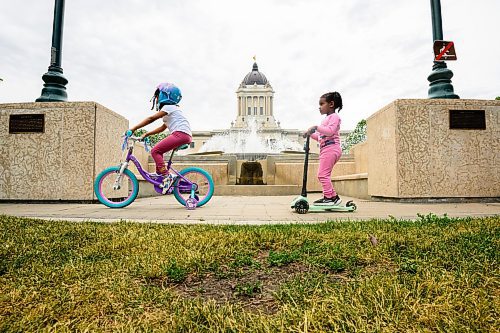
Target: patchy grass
(434, 274)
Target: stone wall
(413, 152)
(360, 156)
(79, 140)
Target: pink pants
(328, 157)
(174, 140)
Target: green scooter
(301, 204)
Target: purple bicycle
(117, 186)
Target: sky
(372, 52)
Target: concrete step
(354, 185)
(253, 190)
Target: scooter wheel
(301, 207)
(351, 204)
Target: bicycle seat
(185, 146)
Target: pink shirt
(328, 131)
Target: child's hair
(335, 98)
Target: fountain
(251, 146)
(251, 143)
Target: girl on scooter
(328, 136)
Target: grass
(435, 274)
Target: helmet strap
(154, 102)
(155, 99)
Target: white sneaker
(167, 183)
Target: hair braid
(335, 98)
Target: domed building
(254, 118)
(255, 101)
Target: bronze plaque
(468, 119)
(26, 123)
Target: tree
(498, 98)
(356, 136)
(153, 139)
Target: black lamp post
(54, 89)
(440, 78)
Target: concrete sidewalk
(252, 210)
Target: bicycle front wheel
(203, 186)
(114, 192)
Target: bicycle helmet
(166, 94)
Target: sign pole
(440, 79)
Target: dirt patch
(253, 288)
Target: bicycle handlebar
(135, 139)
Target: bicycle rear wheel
(113, 193)
(203, 186)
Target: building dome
(255, 77)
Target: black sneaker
(335, 201)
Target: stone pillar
(244, 105)
(59, 158)
(420, 149)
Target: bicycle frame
(192, 187)
(186, 185)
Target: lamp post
(54, 88)
(440, 79)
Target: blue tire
(107, 196)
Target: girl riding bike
(166, 98)
(117, 186)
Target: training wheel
(191, 203)
(301, 207)
(351, 204)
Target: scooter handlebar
(309, 132)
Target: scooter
(301, 204)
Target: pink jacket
(328, 132)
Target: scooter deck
(302, 206)
(315, 208)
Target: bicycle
(192, 187)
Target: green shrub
(356, 136)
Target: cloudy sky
(371, 51)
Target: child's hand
(310, 131)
